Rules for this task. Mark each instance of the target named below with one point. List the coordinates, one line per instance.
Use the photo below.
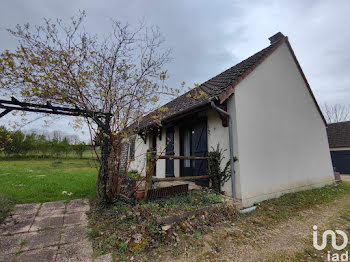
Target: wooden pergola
(102, 120)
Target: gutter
(231, 145)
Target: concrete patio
(52, 231)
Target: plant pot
(140, 194)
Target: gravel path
(274, 244)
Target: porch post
(150, 161)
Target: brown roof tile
(339, 134)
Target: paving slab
(46, 232)
(78, 205)
(75, 218)
(16, 224)
(10, 244)
(81, 251)
(41, 223)
(38, 255)
(74, 234)
(26, 209)
(51, 212)
(41, 239)
(53, 205)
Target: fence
(151, 162)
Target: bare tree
(122, 74)
(336, 113)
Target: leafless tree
(122, 74)
(336, 113)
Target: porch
(181, 146)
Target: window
(132, 148)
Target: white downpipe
(247, 210)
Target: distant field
(41, 180)
(87, 154)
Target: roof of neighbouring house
(221, 86)
(339, 134)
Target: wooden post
(150, 161)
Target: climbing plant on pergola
(100, 118)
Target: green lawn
(35, 180)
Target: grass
(6, 206)
(311, 254)
(270, 214)
(340, 221)
(274, 211)
(194, 199)
(37, 181)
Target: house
(277, 130)
(339, 144)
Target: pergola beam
(5, 112)
(102, 120)
(48, 108)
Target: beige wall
(218, 135)
(161, 144)
(282, 142)
(141, 150)
(139, 163)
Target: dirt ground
(279, 243)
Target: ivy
(217, 175)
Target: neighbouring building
(339, 144)
(278, 131)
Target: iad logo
(334, 256)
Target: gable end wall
(282, 140)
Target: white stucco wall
(161, 144)
(218, 135)
(139, 163)
(282, 141)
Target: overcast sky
(207, 37)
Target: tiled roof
(339, 134)
(214, 86)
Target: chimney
(276, 37)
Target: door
(194, 142)
(341, 161)
(169, 151)
(200, 148)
